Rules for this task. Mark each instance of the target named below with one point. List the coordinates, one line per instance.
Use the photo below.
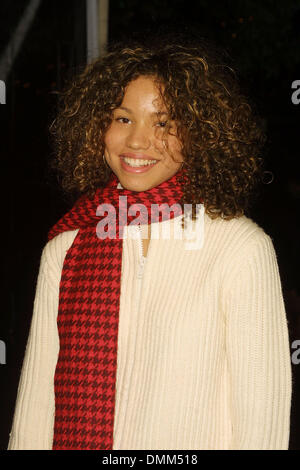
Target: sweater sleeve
(33, 420)
(34, 411)
(257, 351)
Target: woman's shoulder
(55, 250)
(241, 244)
(238, 242)
(238, 232)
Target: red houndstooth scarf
(88, 312)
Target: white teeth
(136, 162)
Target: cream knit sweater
(203, 344)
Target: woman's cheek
(111, 137)
(175, 144)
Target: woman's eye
(121, 119)
(126, 120)
(164, 123)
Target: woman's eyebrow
(156, 113)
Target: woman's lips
(137, 156)
(138, 169)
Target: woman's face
(135, 137)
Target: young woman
(157, 329)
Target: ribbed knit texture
(203, 345)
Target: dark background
(264, 40)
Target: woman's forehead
(144, 93)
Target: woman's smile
(137, 163)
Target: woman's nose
(139, 137)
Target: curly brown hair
(221, 133)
